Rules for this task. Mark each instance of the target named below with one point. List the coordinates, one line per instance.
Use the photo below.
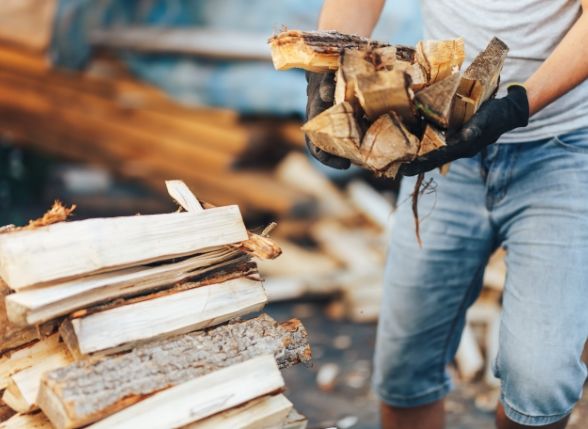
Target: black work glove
(495, 117)
(321, 94)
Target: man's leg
(426, 293)
(542, 215)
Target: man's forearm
(564, 69)
(351, 16)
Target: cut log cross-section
(59, 251)
(88, 391)
(336, 131)
(479, 82)
(123, 327)
(387, 141)
(436, 101)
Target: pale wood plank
(180, 192)
(68, 249)
(123, 327)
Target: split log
(416, 72)
(13, 337)
(432, 139)
(91, 390)
(385, 91)
(23, 386)
(479, 82)
(436, 101)
(122, 328)
(319, 51)
(336, 131)
(201, 397)
(25, 357)
(387, 141)
(440, 58)
(262, 413)
(353, 62)
(37, 305)
(61, 251)
(27, 421)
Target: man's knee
(539, 386)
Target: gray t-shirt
(531, 29)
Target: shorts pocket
(575, 141)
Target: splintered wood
(152, 305)
(390, 100)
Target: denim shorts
(531, 198)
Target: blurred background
(103, 100)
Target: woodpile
(392, 103)
(137, 322)
(106, 117)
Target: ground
(351, 404)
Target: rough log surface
(90, 390)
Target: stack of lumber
(392, 103)
(137, 322)
(107, 118)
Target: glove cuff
(519, 102)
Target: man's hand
(494, 118)
(321, 92)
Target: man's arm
(351, 16)
(564, 69)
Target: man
(528, 192)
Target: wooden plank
(57, 251)
(180, 192)
(122, 328)
(336, 131)
(27, 23)
(202, 397)
(261, 413)
(23, 385)
(91, 390)
(201, 42)
(295, 420)
(37, 305)
(27, 421)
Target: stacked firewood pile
(392, 103)
(135, 322)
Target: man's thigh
(544, 326)
(427, 289)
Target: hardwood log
(336, 131)
(353, 62)
(479, 82)
(387, 141)
(440, 58)
(436, 101)
(88, 391)
(61, 251)
(201, 397)
(161, 316)
(319, 51)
